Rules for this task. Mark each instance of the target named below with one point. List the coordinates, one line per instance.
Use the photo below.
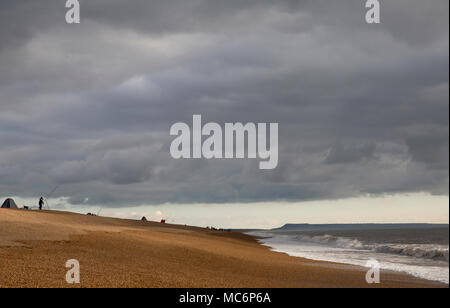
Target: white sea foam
(425, 261)
(436, 252)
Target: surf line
(234, 139)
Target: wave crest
(418, 251)
(414, 251)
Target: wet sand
(34, 247)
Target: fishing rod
(49, 195)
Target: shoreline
(34, 247)
(259, 238)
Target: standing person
(41, 203)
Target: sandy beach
(34, 247)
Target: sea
(420, 250)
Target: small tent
(9, 204)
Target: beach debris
(215, 229)
(9, 204)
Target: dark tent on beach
(9, 204)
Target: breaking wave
(419, 251)
(416, 251)
(341, 242)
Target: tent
(9, 204)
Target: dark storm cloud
(363, 109)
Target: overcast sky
(362, 109)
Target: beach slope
(34, 248)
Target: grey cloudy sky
(363, 109)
